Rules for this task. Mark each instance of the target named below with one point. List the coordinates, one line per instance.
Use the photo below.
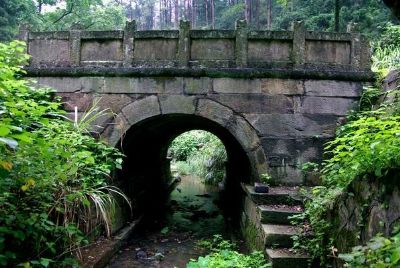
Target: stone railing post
(23, 35)
(129, 42)
(75, 44)
(184, 44)
(241, 44)
(355, 59)
(299, 43)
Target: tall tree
(337, 15)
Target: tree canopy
(371, 16)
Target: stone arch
(223, 116)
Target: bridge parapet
(200, 49)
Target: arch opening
(146, 174)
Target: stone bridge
(273, 97)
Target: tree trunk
(269, 14)
(337, 15)
(257, 14)
(212, 14)
(176, 13)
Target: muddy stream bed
(193, 214)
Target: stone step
(276, 195)
(287, 258)
(278, 214)
(279, 235)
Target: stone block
(325, 105)
(177, 104)
(276, 86)
(55, 52)
(286, 175)
(115, 131)
(147, 85)
(212, 49)
(376, 221)
(214, 111)
(393, 211)
(72, 84)
(334, 52)
(292, 152)
(269, 50)
(81, 100)
(107, 50)
(114, 102)
(237, 86)
(331, 88)
(141, 109)
(256, 103)
(201, 85)
(294, 125)
(117, 85)
(244, 133)
(172, 85)
(155, 49)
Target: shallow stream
(193, 213)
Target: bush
(380, 252)
(223, 254)
(386, 52)
(54, 178)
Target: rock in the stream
(141, 255)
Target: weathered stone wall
(368, 207)
(198, 48)
(292, 118)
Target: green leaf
(45, 262)
(4, 131)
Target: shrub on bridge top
(54, 178)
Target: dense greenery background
(55, 184)
(370, 15)
(199, 153)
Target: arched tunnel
(145, 175)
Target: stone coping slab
(307, 73)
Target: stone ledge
(305, 73)
(104, 250)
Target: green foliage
(223, 254)
(371, 16)
(229, 15)
(391, 36)
(60, 16)
(369, 99)
(265, 178)
(54, 178)
(368, 145)
(310, 167)
(93, 16)
(204, 153)
(186, 144)
(386, 51)
(316, 237)
(380, 252)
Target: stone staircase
(267, 227)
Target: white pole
(76, 117)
